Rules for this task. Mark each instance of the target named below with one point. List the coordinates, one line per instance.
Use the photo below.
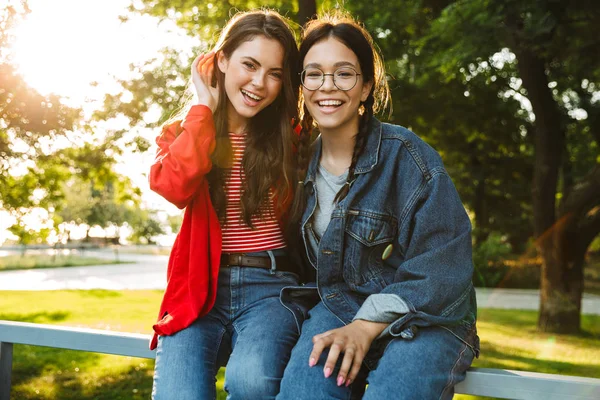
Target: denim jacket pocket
(367, 236)
(370, 228)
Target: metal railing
(499, 383)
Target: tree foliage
(145, 226)
(35, 172)
(28, 122)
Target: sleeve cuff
(382, 307)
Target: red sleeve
(183, 156)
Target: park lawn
(509, 340)
(31, 261)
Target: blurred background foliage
(506, 90)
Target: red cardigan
(178, 172)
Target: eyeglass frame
(332, 78)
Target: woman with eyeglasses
(385, 232)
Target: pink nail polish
(312, 362)
(340, 380)
(327, 372)
(348, 382)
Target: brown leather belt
(241, 260)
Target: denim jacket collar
(366, 162)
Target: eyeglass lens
(343, 78)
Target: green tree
(111, 203)
(27, 235)
(175, 222)
(145, 226)
(76, 206)
(27, 119)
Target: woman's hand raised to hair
(202, 72)
(353, 340)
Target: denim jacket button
(387, 252)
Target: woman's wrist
(372, 329)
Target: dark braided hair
(359, 144)
(344, 28)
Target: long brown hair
(344, 28)
(268, 161)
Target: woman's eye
(276, 75)
(344, 75)
(249, 65)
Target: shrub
(488, 259)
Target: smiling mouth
(251, 96)
(329, 103)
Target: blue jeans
(426, 367)
(248, 329)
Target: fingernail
(340, 380)
(348, 382)
(327, 372)
(312, 362)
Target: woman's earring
(361, 109)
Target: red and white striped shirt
(237, 236)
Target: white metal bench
(504, 384)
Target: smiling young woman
(228, 159)
(386, 235)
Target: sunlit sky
(63, 46)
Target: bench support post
(6, 353)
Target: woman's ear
(366, 89)
(222, 61)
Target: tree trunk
(562, 278)
(307, 10)
(560, 295)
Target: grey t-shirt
(328, 185)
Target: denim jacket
(402, 203)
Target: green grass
(18, 262)
(508, 339)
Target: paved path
(527, 299)
(149, 272)
(144, 272)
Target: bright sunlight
(64, 45)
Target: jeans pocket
(466, 334)
(299, 300)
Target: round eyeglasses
(344, 78)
